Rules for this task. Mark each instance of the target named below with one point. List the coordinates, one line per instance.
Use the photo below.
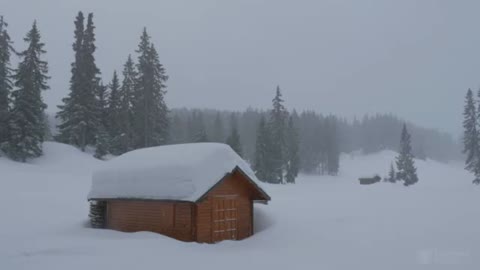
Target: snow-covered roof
(173, 172)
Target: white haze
(412, 58)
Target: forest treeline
(321, 137)
(114, 114)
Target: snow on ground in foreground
(319, 223)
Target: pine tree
(79, 112)
(151, 112)
(234, 138)
(277, 127)
(102, 104)
(27, 123)
(114, 116)
(261, 164)
(470, 136)
(293, 160)
(406, 170)
(5, 80)
(126, 115)
(392, 178)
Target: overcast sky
(414, 58)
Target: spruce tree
(392, 178)
(277, 127)
(126, 112)
(406, 170)
(114, 113)
(293, 160)
(79, 119)
(234, 138)
(261, 163)
(470, 135)
(5, 80)
(102, 95)
(151, 112)
(476, 161)
(27, 123)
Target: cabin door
(224, 218)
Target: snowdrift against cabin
(182, 172)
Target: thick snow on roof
(172, 172)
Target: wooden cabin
(191, 192)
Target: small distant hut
(201, 192)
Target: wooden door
(224, 218)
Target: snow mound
(173, 172)
(58, 155)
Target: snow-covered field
(319, 223)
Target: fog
(413, 58)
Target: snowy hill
(319, 223)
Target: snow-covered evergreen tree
(293, 160)
(26, 123)
(392, 177)
(406, 170)
(277, 127)
(470, 134)
(78, 114)
(126, 111)
(114, 116)
(151, 112)
(101, 92)
(234, 138)
(5, 80)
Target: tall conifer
(127, 114)
(5, 80)
(406, 170)
(277, 127)
(79, 113)
(26, 123)
(471, 146)
(151, 112)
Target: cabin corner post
(97, 214)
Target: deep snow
(318, 223)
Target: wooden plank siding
(188, 221)
(174, 219)
(234, 185)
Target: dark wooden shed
(223, 211)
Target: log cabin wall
(234, 186)
(174, 219)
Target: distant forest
(318, 134)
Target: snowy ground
(319, 223)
